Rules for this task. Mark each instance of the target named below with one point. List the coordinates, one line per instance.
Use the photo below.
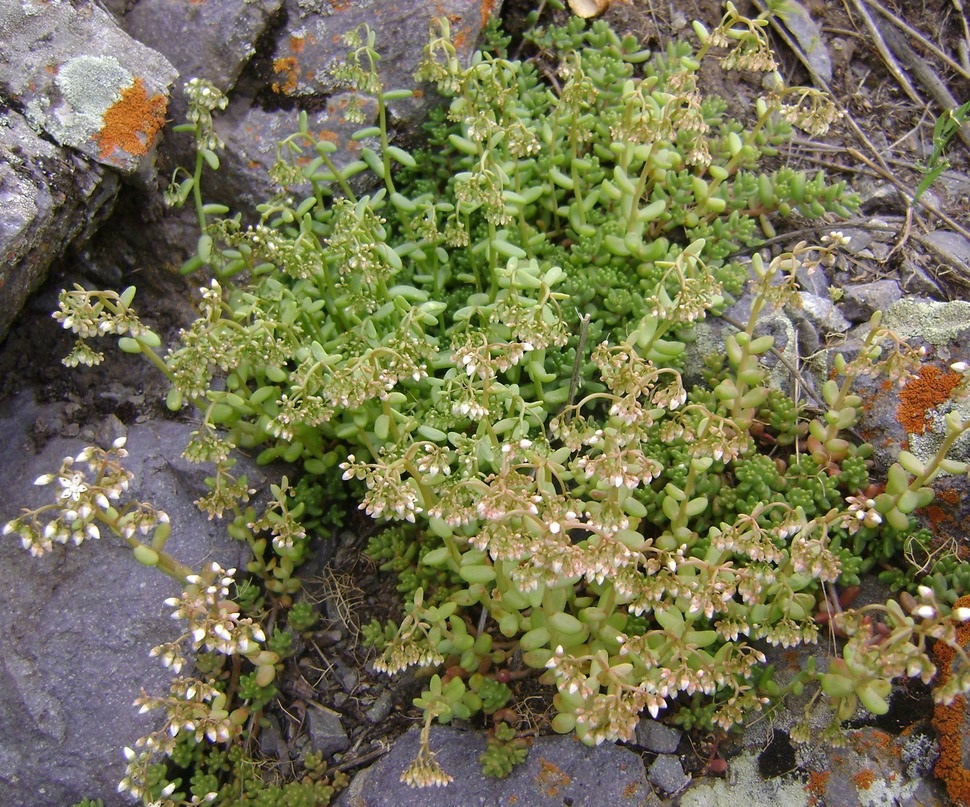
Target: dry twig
(915, 35)
(887, 55)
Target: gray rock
(559, 770)
(252, 133)
(381, 708)
(859, 302)
(858, 239)
(913, 415)
(813, 280)
(745, 786)
(712, 332)
(311, 44)
(656, 736)
(876, 773)
(327, 735)
(297, 75)
(667, 773)
(808, 34)
(50, 197)
(952, 247)
(212, 41)
(916, 281)
(76, 625)
(820, 312)
(86, 83)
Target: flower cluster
(204, 98)
(82, 497)
(214, 621)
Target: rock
(820, 312)
(745, 787)
(297, 76)
(327, 735)
(212, 41)
(252, 134)
(86, 83)
(51, 197)
(712, 332)
(310, 43)
(667, 773)
(559, 770)
(871, 771)
(656, 736)
(813, 279)
(917, 281)
(808, 34)
(381, 707)
(76, 625)
(913, 415)
(952, 247)
(859, 302)
(858, 239)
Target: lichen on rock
(106, 103)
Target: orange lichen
(869, 738)
(488, 8)
(817, 782)
(132, 122)
(948, 720)
(552, 779)
(297, 43)
(288, 67)
(948, 495)
(864, 779)
(928, 390)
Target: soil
(891, 132)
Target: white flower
(73, 486)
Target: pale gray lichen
(89, 85)
(936, 323)
(747, 787)
(926, 445)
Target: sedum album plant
(488, 335)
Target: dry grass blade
(878, 163)
(912, 33)
(887, 55)
(823, 85)
(924, 74)
(819, 80)
(964, 45)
